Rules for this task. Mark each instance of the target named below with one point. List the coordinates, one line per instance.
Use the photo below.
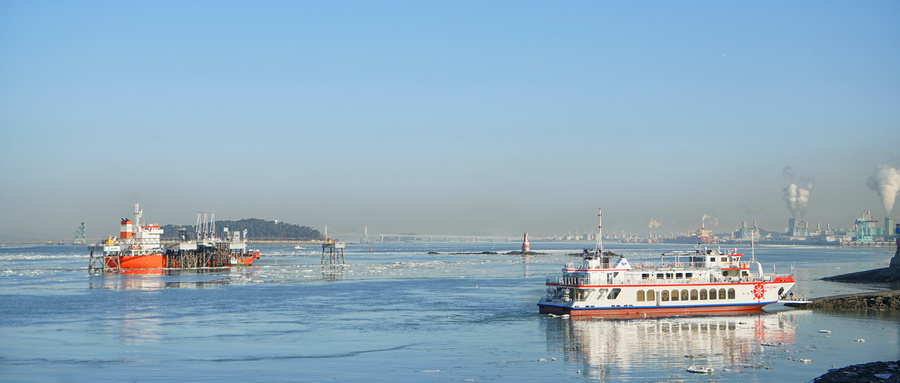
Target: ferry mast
(599, 247)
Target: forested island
(256, 228)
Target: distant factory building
(797, 228)
(865, 228)
(748, 232)
(888, 228)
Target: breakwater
(880, 300)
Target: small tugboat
(138, 247)
(702, 281)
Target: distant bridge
(369, 236)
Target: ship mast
(137, 218)
(752, 248)
(599, 247)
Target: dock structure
(332, 252)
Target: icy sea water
(398, 314)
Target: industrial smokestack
(886, 183)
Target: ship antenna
(599, 247)
(752, 248)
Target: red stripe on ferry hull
(682, 285)
(650, 311)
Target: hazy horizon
(448, 118)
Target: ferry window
(664, 296)
(668, 275)
(694, 295)
(674, 295)
(650, 295)
(684, 295)
(721, 293)
(688, 275)
(640, 295)
(614, 294)
(678, 275)
(601, 293)
(659, 275)
(581, 294)
(712, 294)
(724, 259)
(645, 276)
(712, 259)
(702, 294)
(730, 293)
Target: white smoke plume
(886, 183)
(653, 223)
(796, 195)
(712, 220)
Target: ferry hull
(650, 311)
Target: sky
(446, 117)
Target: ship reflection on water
(644, 347)
(154, 279)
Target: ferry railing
(580, 266)
(579, 281)
(568, 281)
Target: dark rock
(863, 373)
(883, 275)
(526, 252)
(889, 274)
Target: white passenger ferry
(704, 280)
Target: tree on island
(256, 228)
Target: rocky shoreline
(888, 372)
(879, 300)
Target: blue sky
(444, 117)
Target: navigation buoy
(525, 245)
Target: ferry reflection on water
(641, 346)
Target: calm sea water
(396, 313)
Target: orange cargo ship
(138, 247)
